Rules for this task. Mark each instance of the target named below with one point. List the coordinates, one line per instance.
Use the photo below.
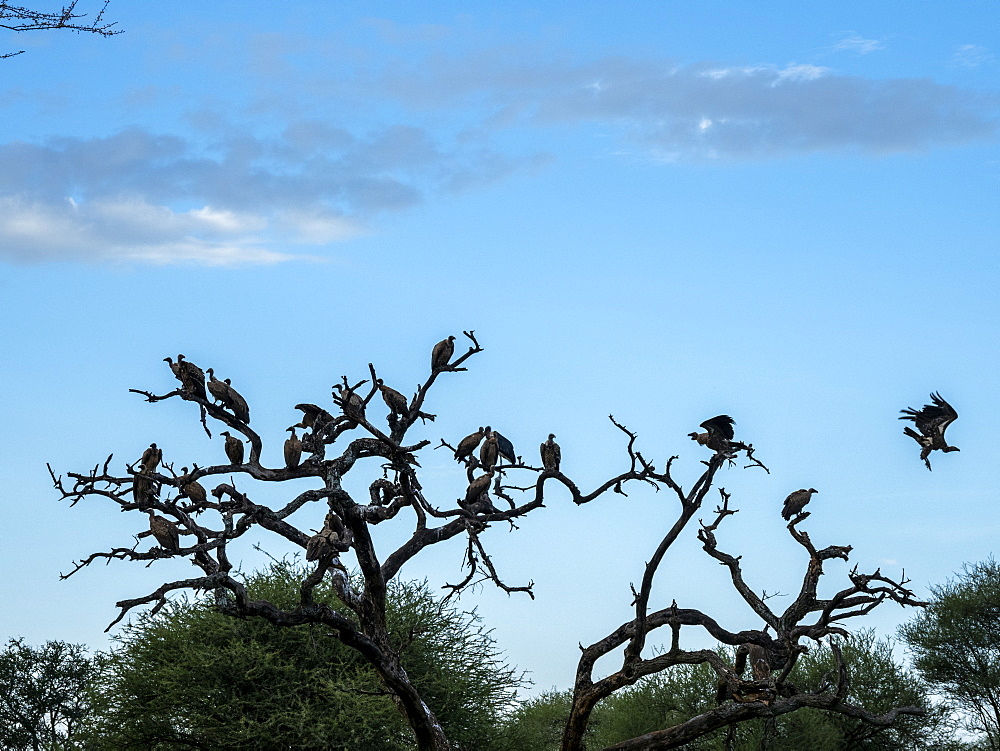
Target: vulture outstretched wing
(720, 425)
(934, 418)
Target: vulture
(352, 404)
(506, 448)
(234, 448)
(441, 354)
(551, 454)
(395, 401)
(477, 489)
(322, 545)
(165, 532)
(151, 458)
(192, 377)
(293, 450)
(142, 490)
(931, 421)
(468, 444)
(193, 489)
(719, 432)
(313, 417)
(489, 452)
(795, 502)
(230, 397)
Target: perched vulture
(313, 416)
(468, 444)
(193, 489)
(489, 452)
(352, 404)
(551, 454)
(506, 448)
(293, 450)
(795, 502)
(441, 354)
(151, 458)
(931, 421)
(234, 448)
(393, 399)
(477, 489)
(719, 432)
(192, 377)
(165, 532)
(230, 397)
(322, 545)
(142, 490)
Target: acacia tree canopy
(955, 644)
(190, 676)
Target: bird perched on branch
(352, 403)
(142, 490)
(489, 452)
(234, 448)
(468, 444)
(393, 399)
(224, 392)
(192, 377)
(293, 450)
(505, 447)
(441, 354)
(151, 459)
(931, 421)
(313, 416)
(719, 432)
(476, 499)
(164, 531)
(192, 489)
(795, 502)
(551, 454)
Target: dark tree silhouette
(19, 18)
(346, 439)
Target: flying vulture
(234, 448)
(719, 432)
(293, 450)
(441, 354)
(505, 447)
(931, 421)
(489, 452)
(795, 502)
(468, 444)
(551, 454)
(151, 458)
(393, 399)
(165, 532)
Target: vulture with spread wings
(931, 421)
(719, 432)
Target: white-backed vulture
(293, 450)
(352, 403)
(468, 444)
(193, 489)
(489, 452)
(165, 532)
(393, 399)
(313, 416)
(192, 377)
(476, 498)
(151, 459)
(718, 433)
(551, 454)
(234, 448)
(795, 502)
(224, 392)
(441, 354)
(931, 421)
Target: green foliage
(192, 677)
(43, 694)
(955, 644)
(878, 682)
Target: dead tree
(17, 19)
(766, 693)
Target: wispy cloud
(974, 56)
(857, 44)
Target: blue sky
(661, 211)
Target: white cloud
(858, 44)
(974, 56)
